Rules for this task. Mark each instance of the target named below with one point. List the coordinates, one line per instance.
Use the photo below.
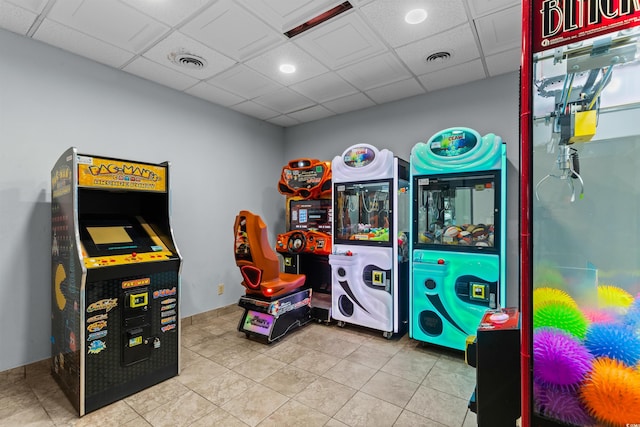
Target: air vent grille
(438, 57)
(188, 60)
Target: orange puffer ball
(611, 392)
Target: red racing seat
(258, 262)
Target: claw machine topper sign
(560, 22)
(359, 156)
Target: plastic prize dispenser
(369, 264)
(580, 103)
(458, 234)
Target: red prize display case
(580, 275)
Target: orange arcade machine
(306, 245)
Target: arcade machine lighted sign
(306, 245)
(458, 234)
(115, 287)
(369, 264)
(580, 103)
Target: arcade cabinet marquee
(115, 279)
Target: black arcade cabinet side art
(115, 279)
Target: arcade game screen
(115, 236)
(310, 215)
(362, 211)
(457, 210)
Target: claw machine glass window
(363, 210)
(458, 212)
(581, 263)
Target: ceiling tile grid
(214, 94)
(228, 52)
(233, 31)
(387, 17)
(15, 18)
(81, 44)
(112, 22)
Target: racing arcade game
(457, 257)
(580, 104)
(275, 302)
(306, 245)
(371, 221)
(115, 279)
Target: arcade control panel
(307, 241)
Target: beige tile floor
(319, 375)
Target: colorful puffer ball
(562, 404)
(561, 316)
(611, 392)
(615, 341)
(600, 316)
(559, 358)
(610, 296)
(632, 319)
(544, 295)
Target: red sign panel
(560, 22)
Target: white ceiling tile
(157, 73)
(35, 6)
(228, 28)
(284, 121)
(284, 15)
(250, 108)
(112, 22)
(16, 19)
(268, 63)
(453, 76)
(177, 44)
(324, 87)
(504, 62)
(459, 42)
(74, 41)
(349, 103)
(214, 94)
(169, 12)
(245, 82)
(284, 101)
(387, 17)
(395, 91)
(312, 113)
(341, 41)
(500, 31)
(373, 72)
(483, 7)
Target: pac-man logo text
(135, 283)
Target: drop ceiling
(228, 52)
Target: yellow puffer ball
(546, 294)
(610, 296)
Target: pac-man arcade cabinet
(115, 278)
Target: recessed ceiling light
(288, 68)
(415, 16)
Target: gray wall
(489, 106)
(221, 162)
